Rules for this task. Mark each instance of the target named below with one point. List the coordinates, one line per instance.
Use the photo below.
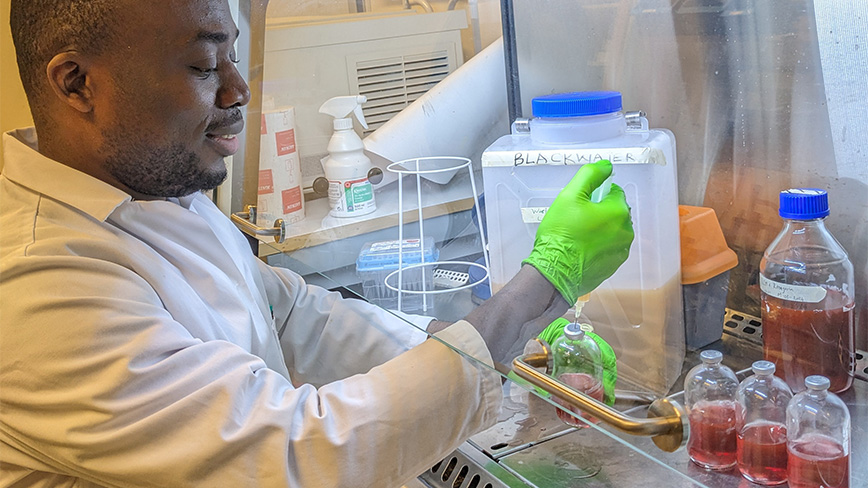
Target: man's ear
(68, 76)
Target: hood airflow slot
(460, 471)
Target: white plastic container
(346, 167)
(280, 193)
(638, 310)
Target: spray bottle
(346, 167)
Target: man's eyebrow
(215, 37)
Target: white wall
(489, 14)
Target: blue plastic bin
(378, 259)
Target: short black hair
(42, 28)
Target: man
(143, 345)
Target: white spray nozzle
(341, 107)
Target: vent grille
(392, 83)
(459, 471)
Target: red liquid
(712, 442)
(810, 338)
(586, 384)
(818, 461)
(762, 453)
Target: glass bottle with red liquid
(761, 418)
(578, 363)
(709, 393)
(806, 280)
(818, 437)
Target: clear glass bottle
(761, 425)
(578, 363)
(807, 283)
(709, 393)
(818, 437)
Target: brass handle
(666, 422)
(246, 222)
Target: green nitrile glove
(580, 243)
(610, 364)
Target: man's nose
(233, 91)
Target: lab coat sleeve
(325, 337)
(99, 383)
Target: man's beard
(167, 171)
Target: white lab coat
(138, 348)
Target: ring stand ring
(416, 166)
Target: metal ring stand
(416, 166)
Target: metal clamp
(246, 221)
(521, 126)
(636, 120)
(666, 423)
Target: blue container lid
(576, 104)
(383, 256)
(804, 204)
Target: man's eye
(203, 72)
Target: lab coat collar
(24, 165)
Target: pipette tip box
(378, 260)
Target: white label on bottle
(351, 196)
(793, 293)
(533, 215)
(572, 157)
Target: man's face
(173, 109)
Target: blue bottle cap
(576, 104)
(804, 204)
(573, 331)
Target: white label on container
(393, 245)
(571, 157)
(351, 196)
(533, 215)
(793, 293)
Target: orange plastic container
(704, 253)
(705, 264)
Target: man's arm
(99, 382)
(518, 312)
(314, 323)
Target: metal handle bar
(666, 422)
(246, 222)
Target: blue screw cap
(576, 104)
(804, 204)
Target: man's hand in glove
(580, 243)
